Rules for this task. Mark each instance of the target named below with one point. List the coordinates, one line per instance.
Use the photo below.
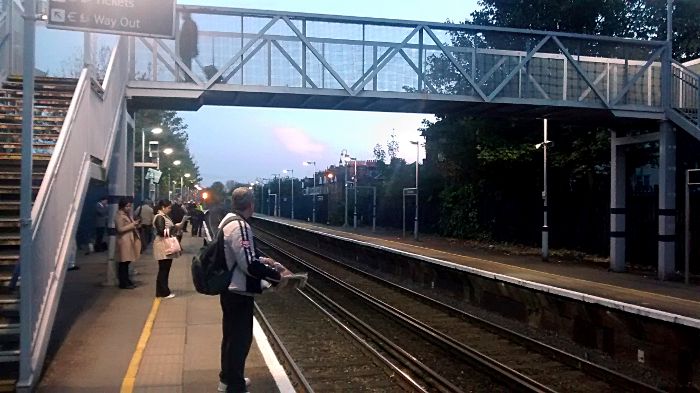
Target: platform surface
(97, 330)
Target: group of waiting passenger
(134, 233)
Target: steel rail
(496, 370)
(571, 360)
(277, 342)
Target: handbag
(172, 246)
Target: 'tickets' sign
(151, 18)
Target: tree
(379, 153)
(174, 136)
(392, 146)
(72, 67)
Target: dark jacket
(177, 213)
(188, 39)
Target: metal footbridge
(298, 60)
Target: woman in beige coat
(128, 242)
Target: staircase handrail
(80, 150)
(686, 93)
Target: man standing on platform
(145, 212)
(177, 214)
(249, 276)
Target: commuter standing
(197, 220)
(101, 218)
(128, 243)
(177, 213)
(145, 213)
(246, 281)
(163, 225)
(188, 42)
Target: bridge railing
(358, 55)
(686, 93)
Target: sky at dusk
(239, 143)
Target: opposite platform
(634, 293)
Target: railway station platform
(588, 282)
(107, 339)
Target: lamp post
(313, 194)
(168, 151)
(262, 195)
(279, 188)
(344, 158)
(291, 171)
(182, 194)
(154, 131)
(415, 214)
(545, 227)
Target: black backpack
(210, 274)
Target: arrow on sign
(58, 15)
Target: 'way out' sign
(151, 18)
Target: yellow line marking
(516, 267)
(130, 377)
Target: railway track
(470, 353)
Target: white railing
(686, 93)
(87, 138)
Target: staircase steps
(52, 99)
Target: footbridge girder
(297, 60)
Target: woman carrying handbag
(128, 242)
(165, 247)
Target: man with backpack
(248, 276)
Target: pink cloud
(297, 141)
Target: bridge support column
(117, 178)
(617, 205)
(130, 152)
(667, 201)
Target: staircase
(52, 98)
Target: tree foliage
(174, 136)
(491, 171)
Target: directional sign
(151, 18)
(409, 191)
(145, 165)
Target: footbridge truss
(296, 60)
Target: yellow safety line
(525, 269)
(130, 377)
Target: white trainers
(222, 386)
(172, 295)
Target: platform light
(177, 162)
(157, 130)
(168, 151)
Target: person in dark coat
(177, 214)
(187, 43)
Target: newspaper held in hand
(293, 281)
(287, 282)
